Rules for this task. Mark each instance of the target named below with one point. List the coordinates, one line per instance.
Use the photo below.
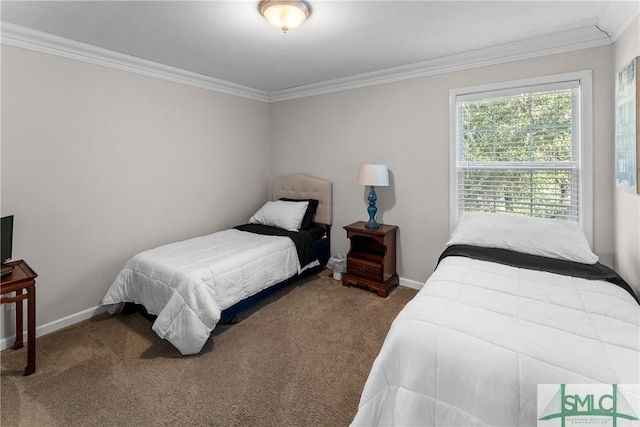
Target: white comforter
(477, 339)
(187, 284)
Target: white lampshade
(285, 15)
(373, 174)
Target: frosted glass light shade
(285, 15)
(373, 174)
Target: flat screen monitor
(6, 237)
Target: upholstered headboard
(302, 186)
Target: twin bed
(514, 302)
(191, 285)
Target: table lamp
(373, 175)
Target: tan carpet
(300, 358)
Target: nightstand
(371, 261)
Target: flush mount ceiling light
(285, 15)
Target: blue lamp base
(372, 224)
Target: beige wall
(406, 126)
(98, 164)
(627, 205)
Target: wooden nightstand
(371, 261)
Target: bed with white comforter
(473, 344)
(188, 284)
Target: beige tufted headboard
(302, 186)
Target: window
(522, 148)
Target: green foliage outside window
(519, 154)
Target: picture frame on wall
(627, 127)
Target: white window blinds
(518, 151)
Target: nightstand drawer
(365, 269)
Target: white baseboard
(411, 283)
(99, 309)
(56, 324)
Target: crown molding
(577, 39)
(27, 38)
(617, 18)
(582, 38)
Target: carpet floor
(298, 358)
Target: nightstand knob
(362, 268)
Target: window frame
(585, 129)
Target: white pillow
(536, 236)
(281, 214)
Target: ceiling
(342, 41)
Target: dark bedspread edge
(595, 271)
(301, 240)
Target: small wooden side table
(22, 279)
(371, 261)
